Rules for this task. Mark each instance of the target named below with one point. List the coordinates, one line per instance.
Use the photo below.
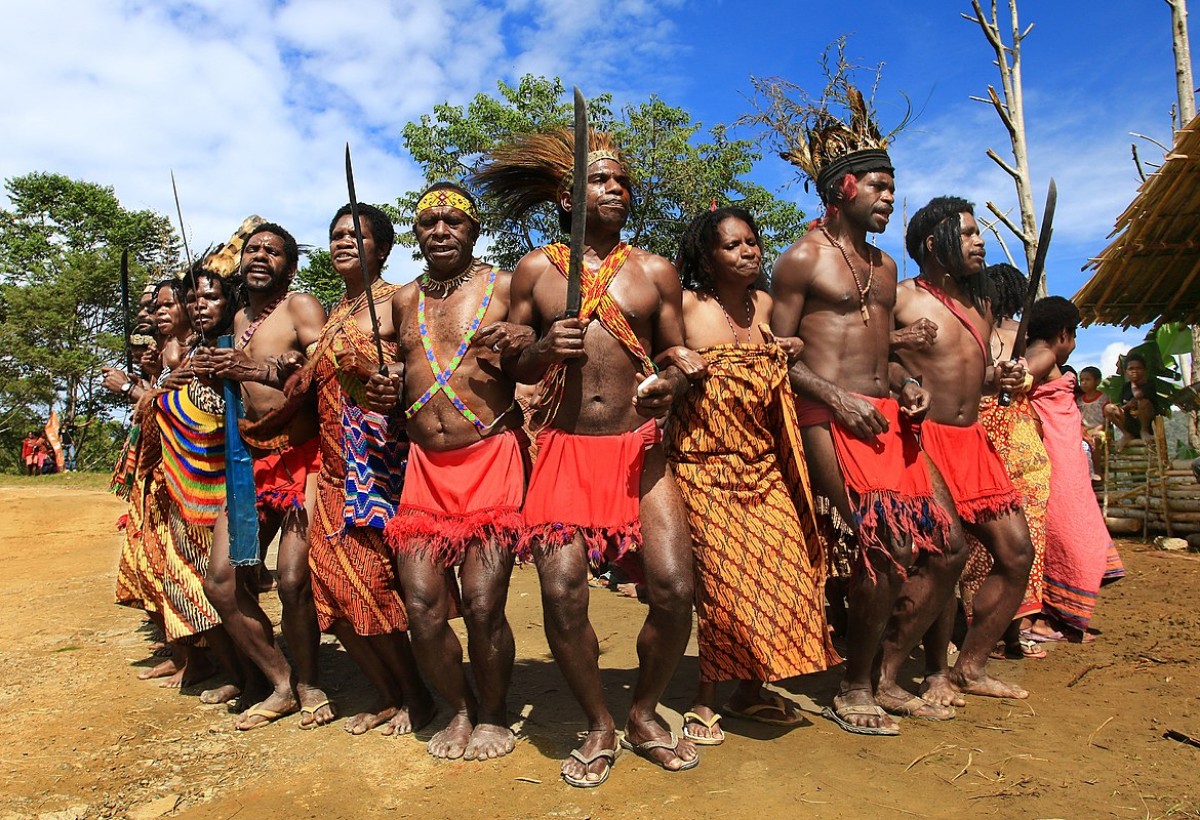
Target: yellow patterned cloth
(1014, 434)
(735, 448)
(445, 197)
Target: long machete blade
(578, 207)
(1035, 279)
(362, 260)
(125, 311)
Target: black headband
(857, 162)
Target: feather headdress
(812, 137)
(227, 259)
(534, 168)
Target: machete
(362, 261)
(578, 207)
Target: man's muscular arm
(384, 389)
(790, 286)
(564, 339)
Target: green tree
(60, 248)
(677, 173)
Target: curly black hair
(381, 225)
(291, 251)
(1009, 286)
(1050, 317)
(230, 289)
(694, 260)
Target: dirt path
(83, 738)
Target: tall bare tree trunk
(1011, 111)
(1186, 90)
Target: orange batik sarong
(352, 573)
(1013, 432)
(734, 445)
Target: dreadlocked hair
(699, 240)
(1009, 286)
(826, 147)
(1051, 316)
(535, 168)
(941, 219)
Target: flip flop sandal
(775, 704)
(311, 711)
(1031, 651)
(693, 717)
(1053, 637)
(644, 749)
(270, 715)
(842, 710)
(609, 755)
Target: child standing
(1091, 408)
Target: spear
(194, 320)
(362, 260)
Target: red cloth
(279, 478)
(888, 483)
(972, 470)
(454, 497)
(590, 486)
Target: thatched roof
(1151, 271)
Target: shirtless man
(601, 487)
(956, 367)
(465, 481)
(273, 324)
(837, 293)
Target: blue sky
(250, 101)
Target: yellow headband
(447, 197)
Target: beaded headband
(448, 198)
(592, 158)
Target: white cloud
(251, 103)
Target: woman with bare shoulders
(735, 447)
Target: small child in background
(1091, 408)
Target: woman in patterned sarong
(354, 583)
(1013, 430)
(736, 452)
(189, 415)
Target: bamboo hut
(1150, 273)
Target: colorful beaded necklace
(442, 375)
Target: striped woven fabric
(374, 467)
(193, 456)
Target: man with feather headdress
(837, 292)
(601, 490)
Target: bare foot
(672, 760)
(162, 670)
(277, 705)
(988, 687)
(409, 719)
(938, 690)
(597, 740)
(489, 741)
(451, 742)
(315, 708)
(222, 694)
(904, 704)
(175, 681)
(364, 722)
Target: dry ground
(82, 737)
